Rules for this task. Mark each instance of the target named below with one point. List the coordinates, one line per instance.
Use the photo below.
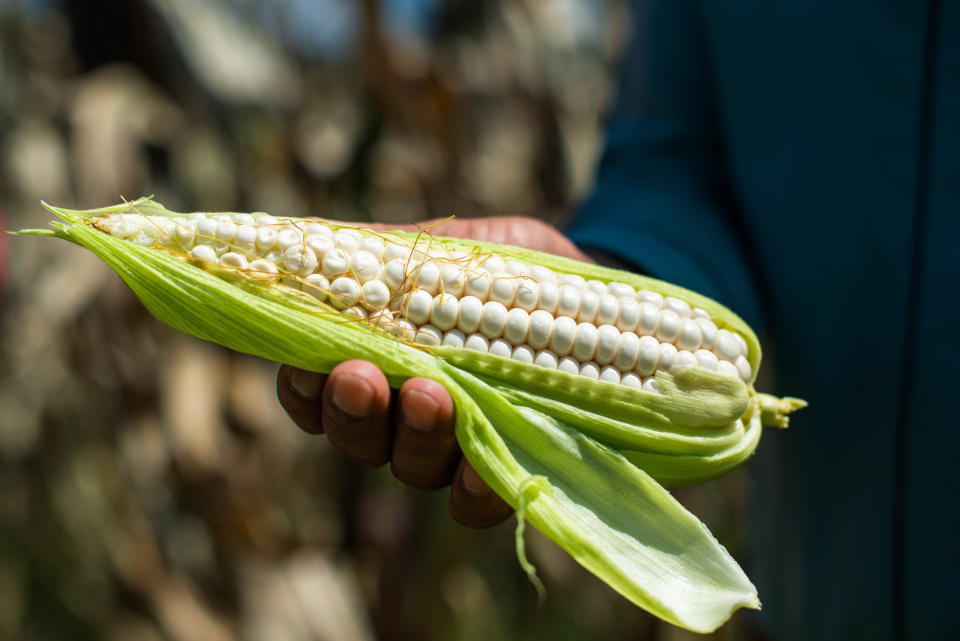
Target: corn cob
(595, 384)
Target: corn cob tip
(775, 411)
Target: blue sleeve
(662, 199)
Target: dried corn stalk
(574, 409)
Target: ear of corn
(581, 459)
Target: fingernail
(423, 419)
(472, 481)
(352, 395)
(306, 384)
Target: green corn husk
(581, 460)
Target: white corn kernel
(503, 288)
(564, 331)
(394, 251)
(549, 296)
(243, 219)
(608, 310)
(204, 253)
(590, 370)
(650, 385)
(394, 275)
(416, 306)
(246, 237)
(477, 342)
(265, 220)
(493, 320)
(226, 232)
(234, 260)
(668, 356)
(356, 312)
(299, 260)
(706, 359)
(542, 274)
(517, 326)
(727, 347)
(569, 365)
(207, 230)
(697, 312)
(610, 374)
(646, 296)
(381, 317)
(522, 353)
(319, 243)
(728, 369)
(608, 337)
(629, 314)
(669, 327)
(569, 304)
(262, 269)
(428, 335)
(374, 294)
(649, 319)
(598, 287)
(585, 342)
(346, 239)
(185, 233)
(741, 342)
(318, 229)
(266, 239)
(403, 328)
(444, 311)
(453, 280)
(336, 262)
(288, 237)
(364, 265)
(454, 338)
(344, 292)
(493, 263)
(373, 245)
(516, 268)
(743, 369)
(684, 360)
(708, 331)
(546, 358)
(528, 295)
(589, 305)
(316, 285)
(427, 276)
(541, 329)
(500, 347)
(621, 290)
(631, 380)
(680, 307)
(689, 337)
(575, 280)
(628, 349)
(648, 356)
(469, 314)
(478, 284)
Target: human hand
(413, 427)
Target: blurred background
(151, 487)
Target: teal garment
(800, 161)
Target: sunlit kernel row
(432, 295)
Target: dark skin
(412, 427)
